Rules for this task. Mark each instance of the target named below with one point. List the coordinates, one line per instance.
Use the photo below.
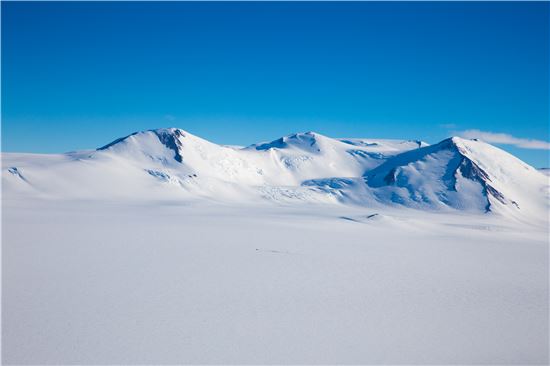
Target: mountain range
(169, 163)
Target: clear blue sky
(77, 75)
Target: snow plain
(138, 269)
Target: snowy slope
(172, 164)
(462, 174)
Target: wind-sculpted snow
(173, 164)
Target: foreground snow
(167, 282)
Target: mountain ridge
(456, 173)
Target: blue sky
(77, 75)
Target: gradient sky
(78, 75)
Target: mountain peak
(308, 141)
(170, 131)
(170, 137)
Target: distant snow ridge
(307, 141)
(456, 174)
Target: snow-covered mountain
(173, 164)
(459, 173)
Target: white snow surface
(164, 248)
